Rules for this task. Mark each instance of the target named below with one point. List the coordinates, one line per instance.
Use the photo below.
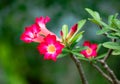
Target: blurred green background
(21, 63)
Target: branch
(80, 69)
(101, 72)
(111, 73)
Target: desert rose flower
(91, 51)
(41, 21)
(31, 34)
(50, 47)
(37, 31)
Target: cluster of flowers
(49, 44)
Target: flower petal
(42, 48)
(86, 43)
(93, 46)
(46, 47)
(50, 39)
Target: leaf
(79, 56)
(83, 58)
(101, 56)
(78, 49)
(116, 52)
(99, 46)
(65, 50)
(110, 18)
(80, 24)
(94, 14)
(117, 34)
(77, 38)
(65, 31)
(112, 45)
(102, 31)
(112, 36)
(94, 21)
(116, 23)
(62, 55)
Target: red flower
(30, 34)
(91, 51)
(50, 47)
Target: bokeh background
(20, 63)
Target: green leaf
(77, 38)
(101, 56)
(83, 58)
(110, 18)
(79, 56)
(65, 31)
(112, 45)
(117, 34)
(99, 46)
(112, 36)
(94, 14)
(78, 49)
(102, 31)
(116, 52)
(62, 55)
(80, 24)
(116, 23)
(94, 21)
(65, 50)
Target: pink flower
(31, 34)
(91, 51)
(41, 21)
(37, 32)
(50, 47)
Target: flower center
(51, 48)
(89, 51)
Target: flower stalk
(80, 69)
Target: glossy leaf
(116, 52)
(77, 38)
(62, 55)
(79, 56)
(112, 45)
(94, 14)
(99, 46)
(100, 56)
(103, 31)
(78, 49)
(65, 31)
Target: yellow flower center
(89, 51)
(51, 48)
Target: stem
(80, 69)
(102, 73)
(111, 73)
